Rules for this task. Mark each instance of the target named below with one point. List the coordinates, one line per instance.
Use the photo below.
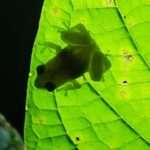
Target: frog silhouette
(81, 55)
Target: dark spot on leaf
(128, 56)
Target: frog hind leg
(54, 46)
(107, 63)
(98, 65)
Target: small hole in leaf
(77, 138)
(124, 17)
(124, 81)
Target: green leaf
(109, 114)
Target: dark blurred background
(18, 26)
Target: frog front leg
(51, 45)
(71, 85)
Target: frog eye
(50, 86)
(40, 69)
